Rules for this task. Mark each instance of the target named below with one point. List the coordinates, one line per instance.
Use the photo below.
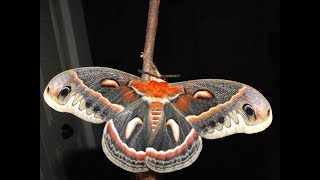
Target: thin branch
(148, 65)
(148, 175)
(151, 31)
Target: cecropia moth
(157, 125)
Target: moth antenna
(161, 76)
(150, 74)
(171, 76)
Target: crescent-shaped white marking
(203, 94)
(132, 125)
(109, 82)
(175, 129)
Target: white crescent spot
(132, 125)
(175, 129)
(203, 94)
(109, 82)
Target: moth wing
(175, 144)
(125, 137)
(129, 142)
(217, 108)
(94, 94)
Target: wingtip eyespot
(65, 91)
(247, 108)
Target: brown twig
(151, 31)
(148, 175)
(148, 65)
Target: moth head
(59, 90)
(256, 108)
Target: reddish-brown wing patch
(183, 103)
(129, 95)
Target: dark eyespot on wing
(212, 124)
(248, 109)
(65, 91)
(96, 108)
(88, 104)
(221, 119)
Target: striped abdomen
(155, 111)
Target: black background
(220, 39)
